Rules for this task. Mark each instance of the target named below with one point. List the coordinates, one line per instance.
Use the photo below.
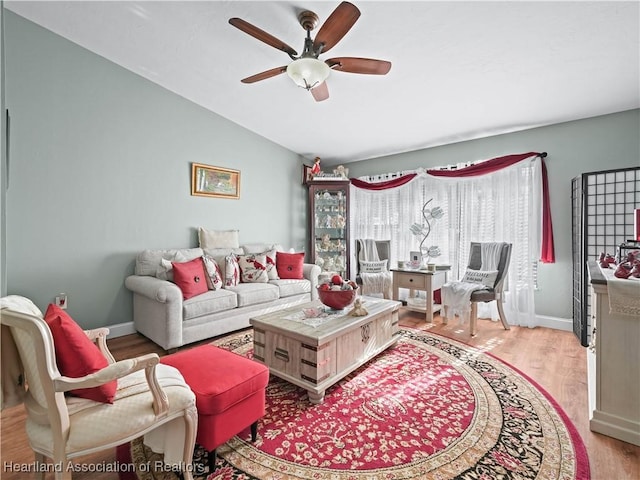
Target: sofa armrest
(311, 272)
(154, 288)
(157, 309)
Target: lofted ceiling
(461, 70)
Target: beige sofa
(161, 314)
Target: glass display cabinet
(329, 225)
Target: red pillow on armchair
(290, 265)
(76, 355)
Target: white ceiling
(461, 70)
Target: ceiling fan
(306, 70)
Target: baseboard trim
(121, 329)
(565, 324)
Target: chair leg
(212, 461)
(503, 317)
(64, 473)
(254, 431)
(473, 320)
(444, 314)
(60, 458)
(39, 460)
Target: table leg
(396, 288)
(316, 398)
(429, 304)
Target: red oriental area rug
(427, 408)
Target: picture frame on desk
(415, 259)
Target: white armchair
(151, 399)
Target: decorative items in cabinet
(329, 225)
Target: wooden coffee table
(314, 353)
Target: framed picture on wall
(208, 181)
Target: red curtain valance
(547, 254)
(396, 182)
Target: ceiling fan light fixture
(308, 72)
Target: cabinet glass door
(329, 228)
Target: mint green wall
(3, 165)
(593, 144)
(100, 170)
(100, 166)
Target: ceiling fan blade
(336, 26)
(367, 66)
(261, 35)
(320, 92)
(264, 75)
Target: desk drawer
(412, 280)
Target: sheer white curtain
(501, 206)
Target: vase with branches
(422, 230)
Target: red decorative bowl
(337, 299)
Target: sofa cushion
(290, 265)
(222, 252)
(261, 247)
(254, 293)
(190, 277)
(208, 303)
(149, 261)
(77, 356)
(289, 288)
(253, 268)
(165, 269)
(218, 238)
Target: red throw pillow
(78, 356)
(290, 265)
(190, 277)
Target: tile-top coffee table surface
(315, 351)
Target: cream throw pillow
(484, 277)
(218, 238)
(373, 266)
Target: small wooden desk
(419, 280)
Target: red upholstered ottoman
(229, 390)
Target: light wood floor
(554, 359)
